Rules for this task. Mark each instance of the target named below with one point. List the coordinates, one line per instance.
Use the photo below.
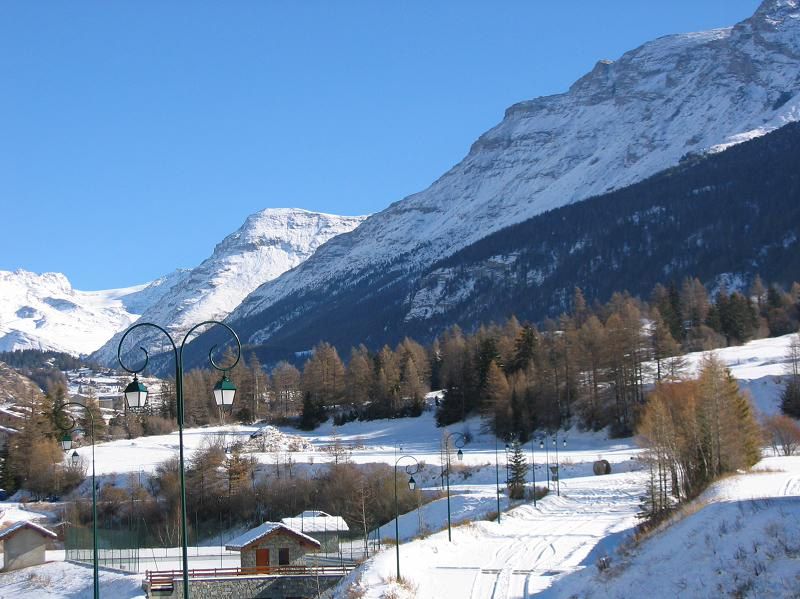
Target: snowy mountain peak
(269, 243)
(672, 97)
(294, 226)
(776, 11)
(43, 311)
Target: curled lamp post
(66, 422)
(411, 470)
(459, 440)
(136, 398)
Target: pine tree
(518, 470)
(313, 413)
(790, 398)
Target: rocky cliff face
(671, 98)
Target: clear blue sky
(135, 135)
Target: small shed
(24, 544)
(321, 526)
(272, 544)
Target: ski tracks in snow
(521, 555)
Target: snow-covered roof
(315, 521)
(11, 530)
(259, 532)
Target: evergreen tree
(668, 303)
(738, 318)
(790, 398)
(313, 413)
(518, 470)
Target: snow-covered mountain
(268, 244)
(678, 95)
(43, 311)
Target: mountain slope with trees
(677, 96)
(721, 219)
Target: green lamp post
(136, 398)
(66, 422)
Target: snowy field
(547, 551)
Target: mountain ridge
(268, 243)
(43, 311)
(669, 99)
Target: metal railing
(164, 579)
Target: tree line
(589, 365)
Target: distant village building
(24, 545)
(321, 526)
(271, 545)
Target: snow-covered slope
(43, 311)
(268, 244)
(623, 121)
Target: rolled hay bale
(601, 467)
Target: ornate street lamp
(139, 394)
(412, 484)
(66, 422)
(459, 440)
(135, 395)
(224, 392)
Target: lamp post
(533, 472)
(543, 445)
(497, 478)
(459, 440)
(66, 422)
(136, 399)
(412, 484)
(508, 473)
(558, 466)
